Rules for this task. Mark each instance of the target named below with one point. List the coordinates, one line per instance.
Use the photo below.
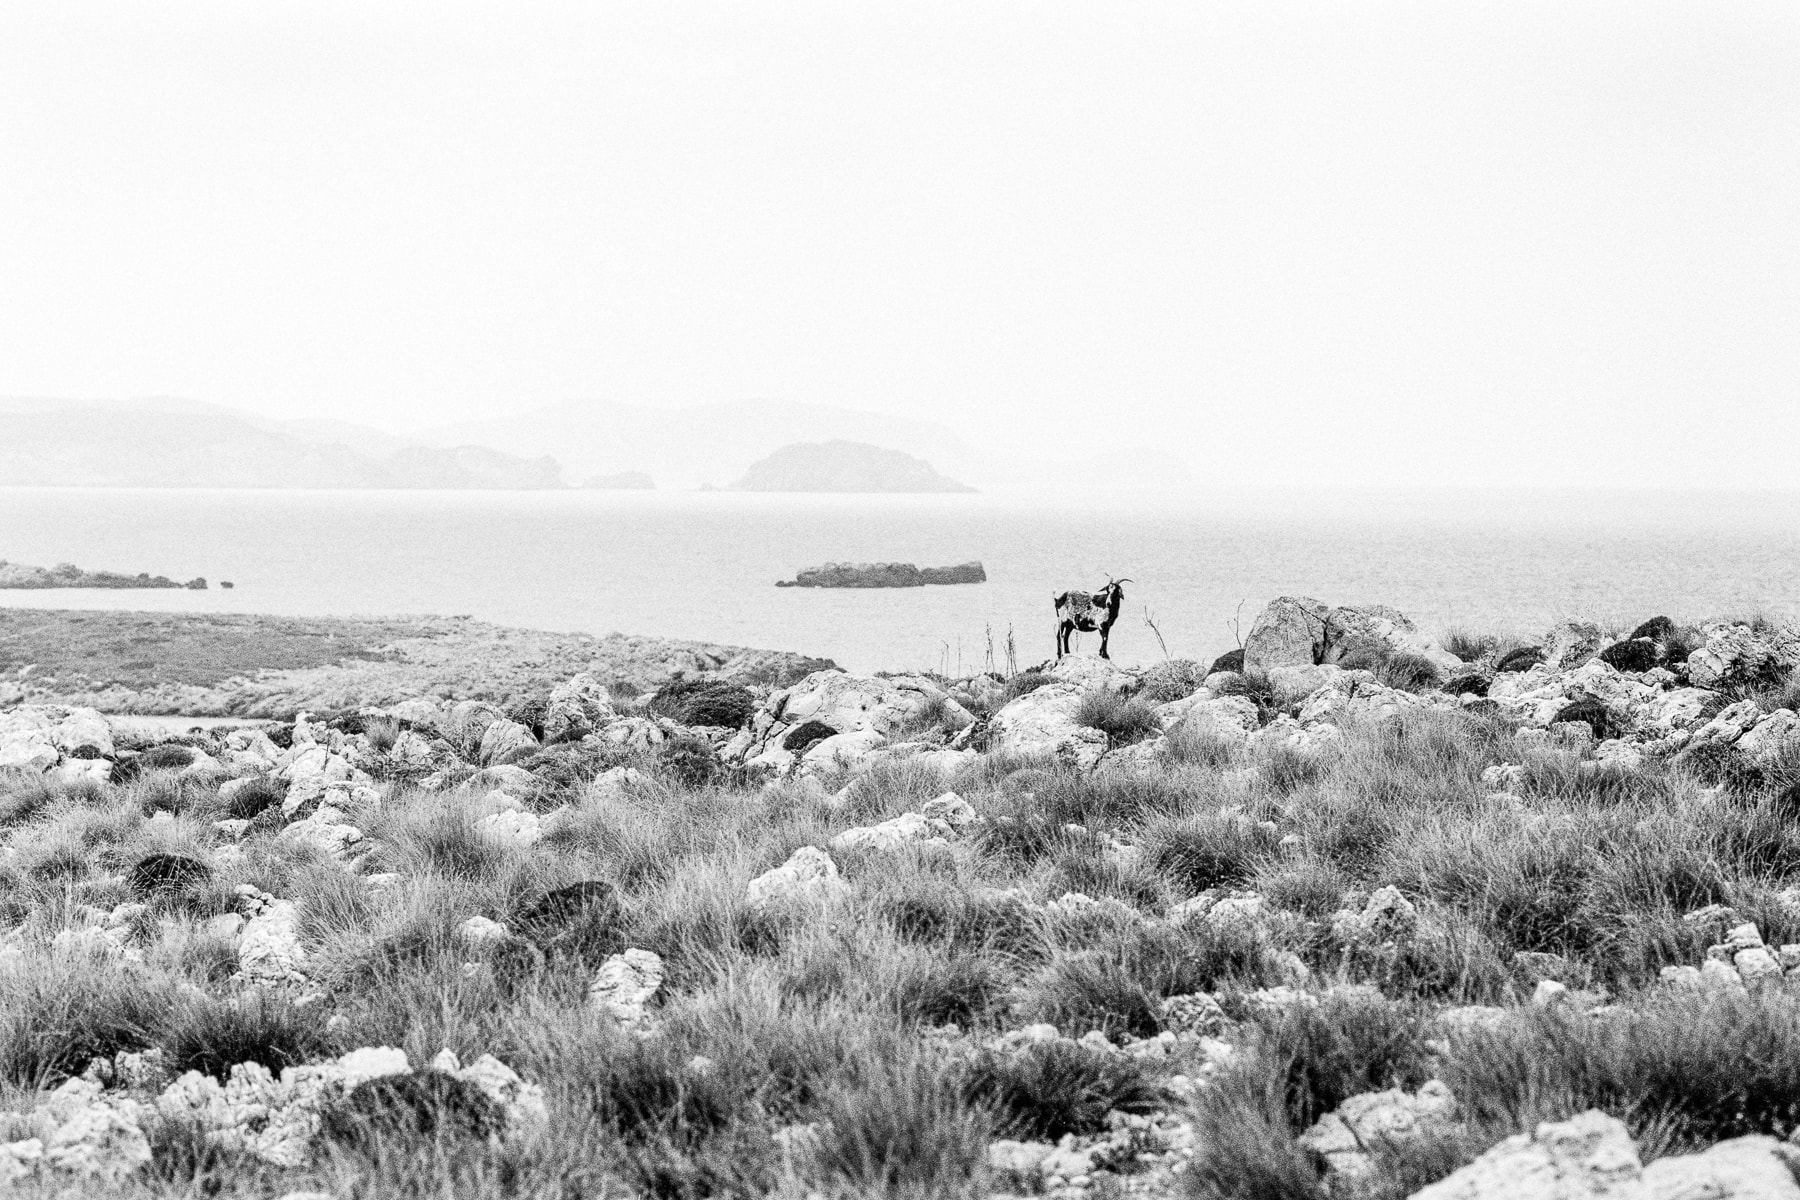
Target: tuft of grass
(1049, 1089)
(1122, 721)
(1023, 684)
(902, 1130)
(1408, 672)
(59, 1014)
(1200, 852)
(212, 1036)
(1468, 645)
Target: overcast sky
(1386, 242)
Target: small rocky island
(68, 575)
(884, 575)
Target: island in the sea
(841, 466)
(884, 575)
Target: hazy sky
(1507, 242)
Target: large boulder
(576, 707)
(1735, 654)
(1357, 694)
(502, 738)
(1298, 631)
(1756, 1167)
(1044, 722)
(1571, 643)
(26, 740)
(1289, 632)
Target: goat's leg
(1105, 632)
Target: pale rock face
(501, 738)
(513, 827)
(82, 729)
(411, 752)
(1018, 1158)
(19, 1159)
(582, 703)
(98, 1142)
(614, 782)
(1356, 693)
(1730, 725)
(624, 985)
(269, 949)
(1289, 632)
(951, 809)
(1232, 716)
(329, 831)
(1744, 1168)
(482, 931)
(808, 874)
(1571, 643)
(1589, 1155)
(1770, 735)
(1090, 673)
(421, 712)
(1731, 651)
(847, 703)
(1677, 711)
(905, 829)
(1388, 916)
(1043, 722)
(26, 740)
(841, 750)
(1390, 1118)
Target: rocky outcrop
(854, 715)
(1298, 631)
(884, 575)
(68, 575)
(1740, 653)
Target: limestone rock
(1589, 1155)
(1572, 643)
(98, 1142)
(269, 950)
(624, 985)
(1043, 722)
(1744, 1168)
(1735, 653)
(579, 706)
(808, 874)
(1372, 1120)
(501, 738)
(1289, 632)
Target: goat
(1087, 612)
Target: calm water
(703, 565)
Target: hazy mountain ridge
(186, 444)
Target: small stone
(482, 931)
(1756, 963)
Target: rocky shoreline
(236, 665)
(68, 575)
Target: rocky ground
(231, 665)
(1352, 912)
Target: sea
(703, 565)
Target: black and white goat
(1086, 612)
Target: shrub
(1657, 629)
(1635, 654)
(255, 797)
(1197, 853)
(1195, 743)
(902, 1130)
(958, 989)
(211, 1037)
(1231, 660)
(1408, 672)
(155, 873)
(691, 761)
(702, 701)
(57, 1016)
(1173, 680)
(1592, 713)
(1470, 647)
(424, 1104)
(805, 736)
(1245, 1149)
(1122, 721)
(167, 757)
(1522, 659)
(1050, 1089)
(1023, 684)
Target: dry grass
(776, 1017)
